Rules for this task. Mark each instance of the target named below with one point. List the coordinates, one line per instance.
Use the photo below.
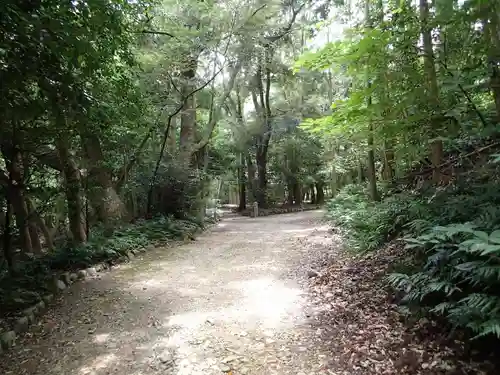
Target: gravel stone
(82, 274)
(21, 324)
(91, 271)
(48, 298)
(7, 339)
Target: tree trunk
(490, 12)
(13, 161)
(313, 194)
(297, 193)
(251, 178)
(172, 136)
(361, 173)
(261, 159)
(242, 184)
(33, 228)
(106, 202)
(188, 124)
(372, 177)
(49, 242)
(264, 111)
(7, 233)
(388, 167)
(188, 116)
(40, 224)
(320, 193)
(72, 180)
(334, 181)
(430, 72)
(290, 192)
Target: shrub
(453, 239)
(18, 291)
(459, 279)
(367, 224)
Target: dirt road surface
(233, 301)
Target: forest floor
(241, 299)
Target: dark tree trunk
(242, 184)
(388, 166)
(297, 193)
(36, 244)
(434, 95)
(491, 20)
(320, 193)
(251, 182)
(7, 232)
(290, 193)
(73, 194)
(105, 200)
(261, 160)
(15, 190)
(313, 194)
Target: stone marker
(255, 209)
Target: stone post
(255, 209)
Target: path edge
(61, 282)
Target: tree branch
(460, 86)
(155, 32)
(285, 30)
(218, 108)
(133, 160)
(450, 162)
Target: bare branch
(155, 32)
(285, 30)
(173, 83)
(218, 107)
(126, 169)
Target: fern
(459, 279)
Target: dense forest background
(122, 122)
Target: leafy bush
(18, 291)
(367, 224)
(453, 237)
(101, 247)
(459, 279)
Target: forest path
(236, 299)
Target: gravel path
(235, 300)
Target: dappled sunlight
(305, 231)
(98, 365)
(219, 297)
(190, 319)
(156, 283)
(258, 266)
(265, 299)
(101, 338)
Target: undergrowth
(452, 235)
(31, 278)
